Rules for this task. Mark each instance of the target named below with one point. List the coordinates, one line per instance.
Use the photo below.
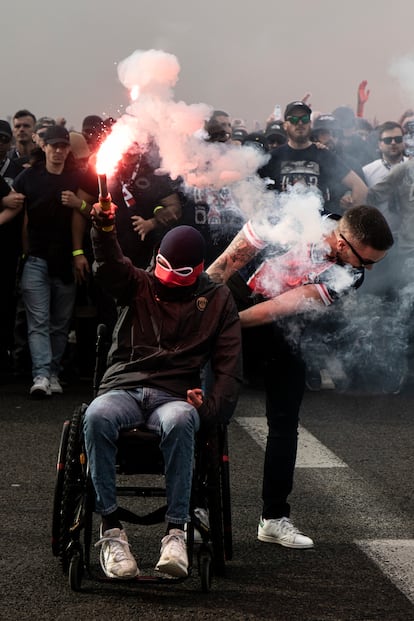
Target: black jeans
(272, 354)
(283, 372)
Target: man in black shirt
(301, 161)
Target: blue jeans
(49, 306)
(176, 421)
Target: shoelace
(118, 550)
(175, 544)
(286, 526)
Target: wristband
(77, 253)
(157, 208)
(83, 206)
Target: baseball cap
(43, 122)
(5, 129)
(275, 129)
(325, 121)
(239, 134)
(55, 134)
(293, 105)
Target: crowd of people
(153, 247)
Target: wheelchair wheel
(76, 567)
(75, 490)
(57, 498)
(226, 498)
(214, 503)
(204, 569)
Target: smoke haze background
(60, 59)
(63, 60)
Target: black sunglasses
(4, 139)
(363, 261)
(390, 139)
(305, 119)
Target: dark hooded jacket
(165, 344)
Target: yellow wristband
(157, 208)
(77, 253)
(83, 206)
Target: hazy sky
(60, 59)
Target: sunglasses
(305, 119)
(390, 139)
(363, 261)
(180, 271)
(4, 139)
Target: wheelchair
(139, 454)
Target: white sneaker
(283, 532)
(55, 385)
(116, 557)
(173, 559)
(41, 387)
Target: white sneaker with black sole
(41, 387)
(283, 532)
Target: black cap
(5, 129)
(239, 134)
(274, 128)
(325, 121)
(293, 105)
(55, 134)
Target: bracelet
(77, 253)
(83, 206)
(157, 208)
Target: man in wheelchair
(173, 320)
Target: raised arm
(358, 188)
(237, 254)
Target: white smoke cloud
(403, 70)
(177, 127)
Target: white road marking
(395, 558)
(311, 452)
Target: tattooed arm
(237, 254)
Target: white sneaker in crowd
(173, 559)
(41, 387)
(283, 532)
(55, 385)
(116, 557)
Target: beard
(299, 137)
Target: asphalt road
(356, 502)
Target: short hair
(216, 113)
(21, 113)
(368, 226)
(388, 126)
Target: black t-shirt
(4, 188)
(10, 232)
(317, 168)
(49, 222)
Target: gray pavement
(360, 516)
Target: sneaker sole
(39, 394)
(172, 569)
(108, 574)
(296, 546)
